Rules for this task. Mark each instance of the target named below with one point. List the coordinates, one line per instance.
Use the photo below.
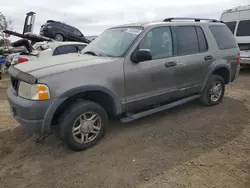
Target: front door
(151, 82)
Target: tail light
(238, 60)
(22, 60)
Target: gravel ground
(189, 146)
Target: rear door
(192, 58)
(74, 34)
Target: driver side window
(159, 42)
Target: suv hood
(61, 63)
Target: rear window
(81, 47)
(224, 38)
(231, 26)
(243, 28)
(65, 49)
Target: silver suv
(129, 71)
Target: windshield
(113, 42)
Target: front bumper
(30, 114)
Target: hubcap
(59, 37)
(86, 127)
(216, 91)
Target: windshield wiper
(91, 53)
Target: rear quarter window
(223, 37)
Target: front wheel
(83, 125)
(214, 91)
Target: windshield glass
(113, 42)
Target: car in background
(62, 32)
(238, 21)
(45, 49)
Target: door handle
(208, 57)
(170, 64)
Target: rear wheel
(83, 125)
(59, 37)
(214, 91)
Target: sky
(92, 17)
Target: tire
(59, 37)
(1, 76)
(206, 96)
(70, 119)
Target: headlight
(34, 91)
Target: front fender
(82, 89)
(74, 91)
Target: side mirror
(143, 55)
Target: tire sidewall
(69, 119)
(214, 78)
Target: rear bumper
(237, 72)
(245, 61)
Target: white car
(45, 50)
(238, 21)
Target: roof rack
(195, 19)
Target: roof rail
(195, 19)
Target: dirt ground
(189, 146)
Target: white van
(238, 21)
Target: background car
(62, 32)
(45, 49)
(238, 21)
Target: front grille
(14, 83)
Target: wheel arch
(101, 95)
(221, 70)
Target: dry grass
(5, 82)
(7, 122)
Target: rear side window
(224, 38)
(81, 47)
(203, 47)
(243, 28)
(186, 40)
(231, 26)
(65, 50)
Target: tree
(5, 42)
(4, 24)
